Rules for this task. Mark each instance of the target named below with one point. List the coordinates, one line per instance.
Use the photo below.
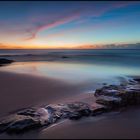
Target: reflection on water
(79, 66)
(73, 71)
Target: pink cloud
(85, 10)
(53, 24)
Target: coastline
(112, 126)
(21, 91)
(116, 125)
(52, 91)
(69, 70)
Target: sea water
(75, 65)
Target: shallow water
(80, 66)
(72, 71)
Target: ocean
(75, 66)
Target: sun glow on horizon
(68, 25)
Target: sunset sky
(37, 25)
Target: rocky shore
(108, 98)
(4, 61)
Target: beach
(112, 126)
(21, 91)
(69, 70)
(32, 83)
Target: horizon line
(72, 49)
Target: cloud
(66, 19)
(33, 33)
(28, 27)
(84, 10)
(111, 46)
(85, 46)
(3, 46)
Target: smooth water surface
(80, 65)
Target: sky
(68, 24)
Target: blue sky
(70, 24)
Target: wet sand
(18, 91)
(115, 125)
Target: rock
(111, 90)
(28, 112)
(74, 116)
(55, 111)
(80, 107)
(30, 118)
(4, 125)
(23, 125)
(76, 110)
(97, 109)
(107, 92)
(137, 79)
(107, 98)
(119, 95)
(109, 101)
(65, 57)
(131, 97)
(71, 111)
(44, 116)
(132, 82)
(104, 84)
(18, 124)
(5, 61)
(135, 87)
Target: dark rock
(131, 97)
(65, 57)
(105, 84)
(118, 95)
(74, 116)
(23, 125)
(55, 111)
(5, 61)
(4, 126)
(85, 112)
(31, 118)
(18, 123)
(106, 92)
(71, 110)
(77, 109)
(137, 79)
(98, 109)
(28, 112)
(132, 82)
(109, 101)
(80, 107)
